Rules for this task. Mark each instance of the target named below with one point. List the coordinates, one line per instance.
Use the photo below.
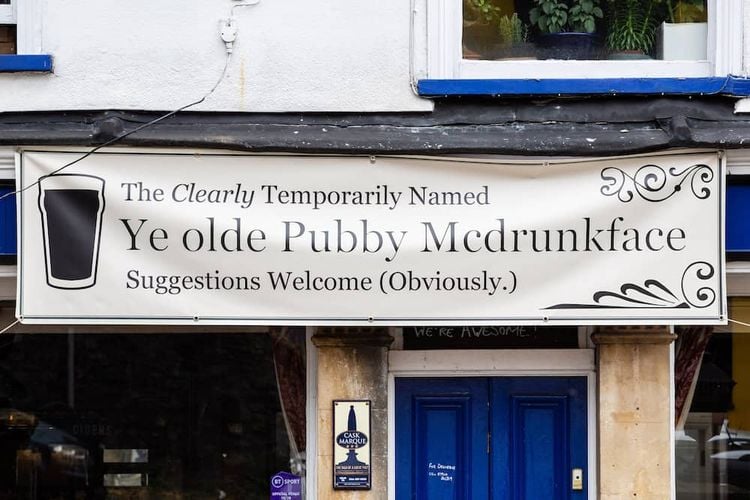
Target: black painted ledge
(576, 127)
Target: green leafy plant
(482, 11)
(554, 16)
(512, 30)
(633, 25)
(480, 24)
(687, 11)
(550, 16)
(583, 15)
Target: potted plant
(567, 30)
(513, 37)
(687, 11)
(632, 28)
(480, 32)
(684, 35)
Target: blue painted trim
(13, 63)
(730, 85)
(7, 222)
(737, 218)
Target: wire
(412, 72)
(131, 132)
(244, 4)
(122, 136)
(741, 323)
(9, 327)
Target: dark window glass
(584, 29)
(168, 416)
(712, 377)
(7, 38)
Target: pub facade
(373, 251)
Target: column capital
(638, 334)
(352, 337)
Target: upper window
(21, 37)
(561, 39)
(7, 27)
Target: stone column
(635, 452)
(353, 364)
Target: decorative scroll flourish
(653, 183)
(655, 295)
(693, 288)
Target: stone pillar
(353, 364)
(635, 452)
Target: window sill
(731, 85)
(10, 63)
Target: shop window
(564, 39)
(712, 389)
(150, 415)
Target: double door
(479, 438)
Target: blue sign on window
(286, 486)
(738, 218)
(7, 222)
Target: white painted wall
(291, 55)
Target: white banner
(122, 237)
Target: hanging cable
(131, 132)
(227, 61)
(741, 323)
(227, 36)
(9, 327)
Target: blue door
(509, 438)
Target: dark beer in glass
(71, 206)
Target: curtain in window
(290, 365)
(692, 344)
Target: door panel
(539, 433)
(441, 435)
(509, 438)
(538, 457)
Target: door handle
(577, 479)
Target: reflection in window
(7, 38)
(712, 389)
(585, 29)
(198, 416)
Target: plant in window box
(684, 36)
(566, 31)
(687, 11)
(632, 28)
(480, 32)
(513, 36)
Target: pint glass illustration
(72, 206)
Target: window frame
(29, 56)
(29, 26)
(444, 25)
(8, 13)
